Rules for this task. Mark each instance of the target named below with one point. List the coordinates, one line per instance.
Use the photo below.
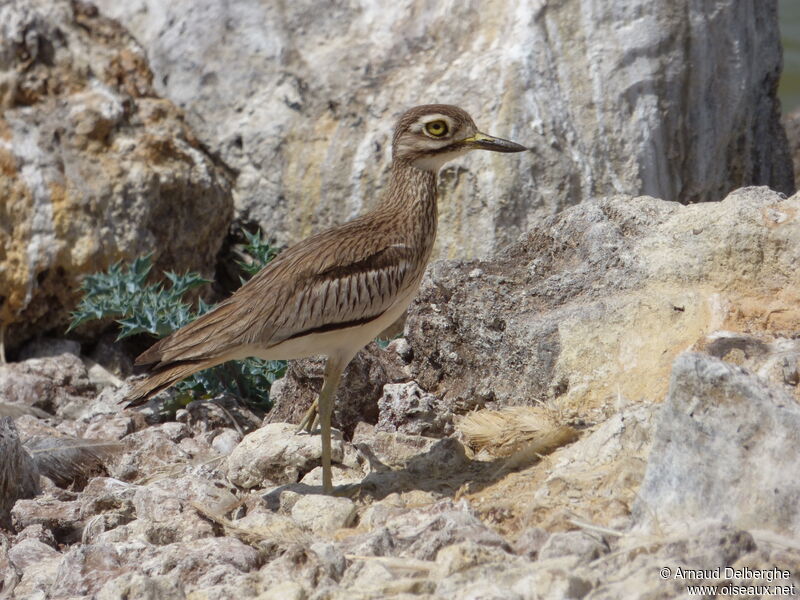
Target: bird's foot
(347, 490)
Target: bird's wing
(329, 281)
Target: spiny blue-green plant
(259, 253)
(122, 293)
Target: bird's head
(428, 136)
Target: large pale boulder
(94, 166)
(723, 445)
(592, 306)
(670, 99)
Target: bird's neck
(411, 193)
(409, 187)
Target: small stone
(61, 517)
(277, 454)
(339, 475)
(107, 494)
(203, 562)
(402, 348)
(226, 441)
(85, 569)
(407, 408)
(330, 555)
(30, 552)
(464, 555)
(166, 508)
(56, 384)
(324, 514)
(141, 587)
(37, 532)
(109, 428)
(573, 543)
(150, 452)
(367, 573)
(282, 498)
(287, 590)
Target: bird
(334, 292)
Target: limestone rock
(105, 493)
(574, 543)
(165, 509)
(465, 555)
(226, 441)
(704, 547)
(420, 533)
(776, 359)
(85, 569)
(136, 585)
(94, 166)
(593, 305)
(30, 552)
(35, 577)
(287, 590)
(38, 533)
(151, 451)
(600, 473)
(276, 454)
(722, 447)
(301, 565)
(407, 408)
(616, 101)
(61, 517)
(529, 543)
(323, 514)
(202, 562)
(58, 385)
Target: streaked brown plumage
(332, 293)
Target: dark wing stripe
(334, 326)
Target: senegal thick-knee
(334, 292)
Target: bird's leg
(310, 419)
(333, 372)
(2, 343)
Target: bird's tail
(162, 378)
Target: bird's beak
(481, 141)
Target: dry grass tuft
(519, 430)
(505, 441)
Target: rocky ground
(615, 394)
(603, 406)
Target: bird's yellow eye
(436, 128)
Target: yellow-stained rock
(94, 167)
